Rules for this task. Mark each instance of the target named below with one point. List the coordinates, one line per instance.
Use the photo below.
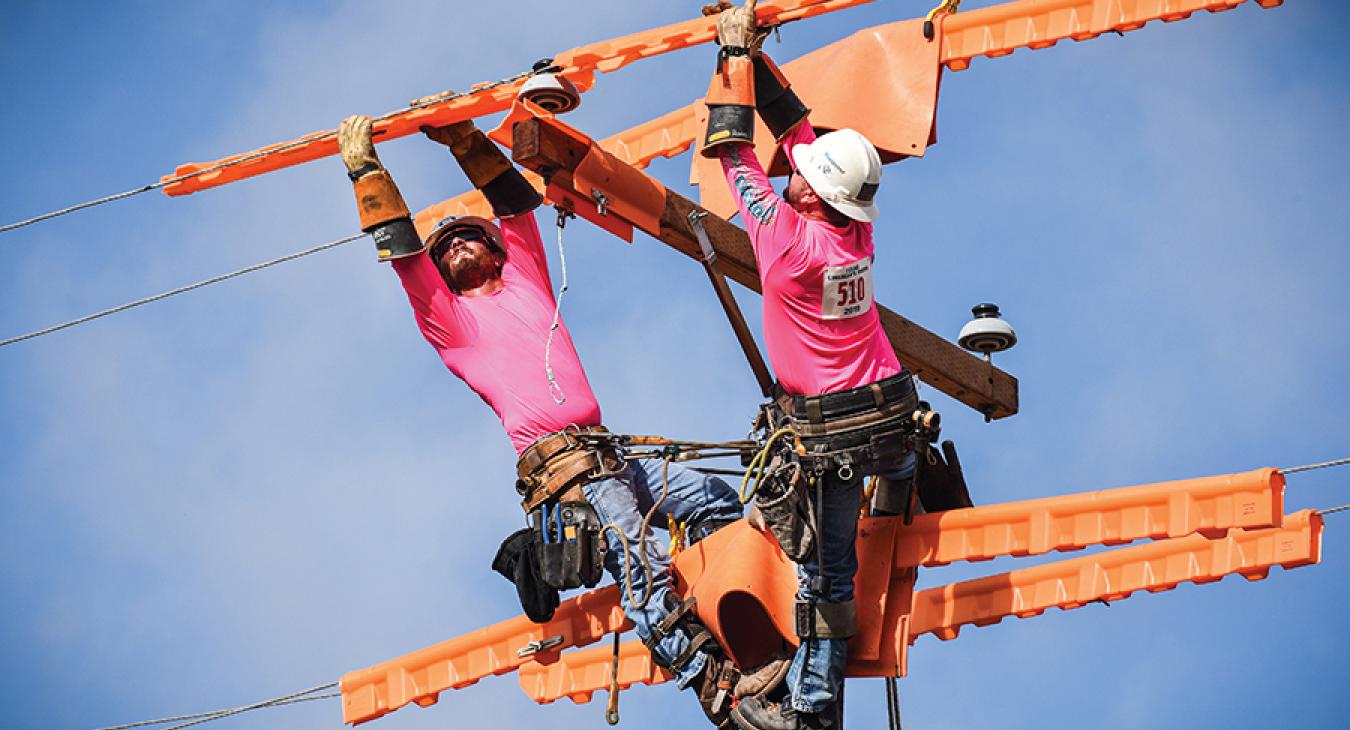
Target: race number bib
(848, 290)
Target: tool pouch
(939, 480)
(518, 561)
(567, 538)
(783, 500)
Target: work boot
(754, 713)
(763, 679)
(714, 691)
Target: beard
(464, 272)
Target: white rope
(554, 390)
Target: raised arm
(386, 217)
(508, 192)
(745, 81)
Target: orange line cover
(1066, 584)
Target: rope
(642, 539)
(181, 290)
(428, 101)
(760, 462)
(1310, 467)
(612, 709)
(555, 391)
(202, 717)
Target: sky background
(254, 488)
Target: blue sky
(254, 488)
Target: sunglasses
(467, 233)
(464, 233)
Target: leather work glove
(450, 133)
(736, 27)
(355, 143)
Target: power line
(1321, 465)
(429, 101)
(182, 289)
(203, 717)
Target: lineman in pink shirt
(834, 364)
(483, 299)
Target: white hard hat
(844, 169)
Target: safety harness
(557, 465)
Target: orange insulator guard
(882, 81)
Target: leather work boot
(753, 713)
(714, 691)
(760, 681)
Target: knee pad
(819, 620)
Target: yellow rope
(760, 461)
(946, 6)
(678, 535)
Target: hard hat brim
(443, 228)
(803, 160)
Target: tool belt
(857, 432)
(861, 426)
(555, 466)
(561, 549)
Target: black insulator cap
(987, 310)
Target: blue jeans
(691, 497)
(817, 670)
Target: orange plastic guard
(999, 29)
(578, 64)
(578, 674)
(621, 189)
(746, 587)
(993, 31)
(1112, 517)
(891, 97)
(470, 203)
(422, 675)
(1116, 574)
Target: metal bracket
(696, 217)
(601, 201)
(538, 645)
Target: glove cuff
(777, 103)
(481, 160)
(378, 200)
(730, 100)
(397, 239)
(733, 83)
(511, 194)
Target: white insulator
(551, 92)
(987, 333)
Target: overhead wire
(1319, 465)
(183, 289)
(199, 718)
(419, 104)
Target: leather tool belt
(862, 425)
(553, 468)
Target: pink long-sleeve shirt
(495, 343)
(821, 326)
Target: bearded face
(468, 264)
